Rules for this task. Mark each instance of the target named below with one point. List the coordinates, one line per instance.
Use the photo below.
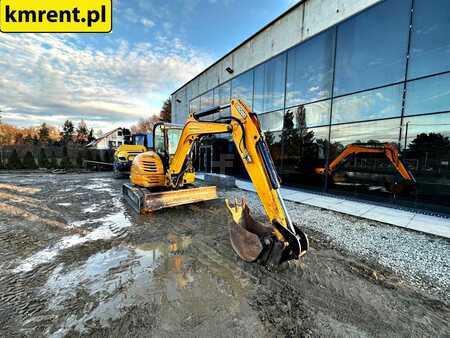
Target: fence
(71, 155)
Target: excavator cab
(125, 154)
(165, 139)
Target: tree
(44, 134)
(14, 161)
(67, 133)
(145, 125)
(82, 133)
(91, 137)
(43, 159)
(29, 161)
(166, 111)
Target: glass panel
(269, 85)
(312, 115)
(273, 140)
(173, 136)
(258, 99)
(376, 132)
(427, 153)
(310, 70)
(159, 140)
(207, 100)
(304, 150)
(271, 121)
(364, 173)
(242, 88)
(430, 95)
(430, 38)
(370, 105)
(372, 47)
(274, 83)
(221, 97)
(140, 139)
(194, 106)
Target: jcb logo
(56, 16)
(241, 111)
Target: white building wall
(303, 22)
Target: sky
(111, 80)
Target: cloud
(50, 78)
(147, 23)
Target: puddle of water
(109, 227)
(102, 185)
(121, 277)
(91, 209)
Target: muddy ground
(75, 261)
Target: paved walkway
(434, 225)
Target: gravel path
(423, 260)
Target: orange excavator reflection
(403, 184)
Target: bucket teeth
(245, 233)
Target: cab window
(173, 136)
(159, 140)
(139, 140)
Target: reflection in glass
(370, 105)
(258, 98)
(315, 114)
(426, 144)
(437, 124)
(273, 140)
(207, 101)
(194, 106)
(269, 85)
(304, 149)
(222, 97)
(242, 88)
(430, 95)
(310, 70)
(271, 121)
(366, 132)
(430, 38)
(372, 47)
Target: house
(111, 140)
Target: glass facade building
(381, 76)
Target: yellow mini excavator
(163, 177)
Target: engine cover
(147, 170)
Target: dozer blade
(144, 201)
(246, 234)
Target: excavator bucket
(246, 235)
(144, 201)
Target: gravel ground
(422, 259)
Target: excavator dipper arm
(252, 241)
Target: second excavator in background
(403, 182)
(163, 177)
